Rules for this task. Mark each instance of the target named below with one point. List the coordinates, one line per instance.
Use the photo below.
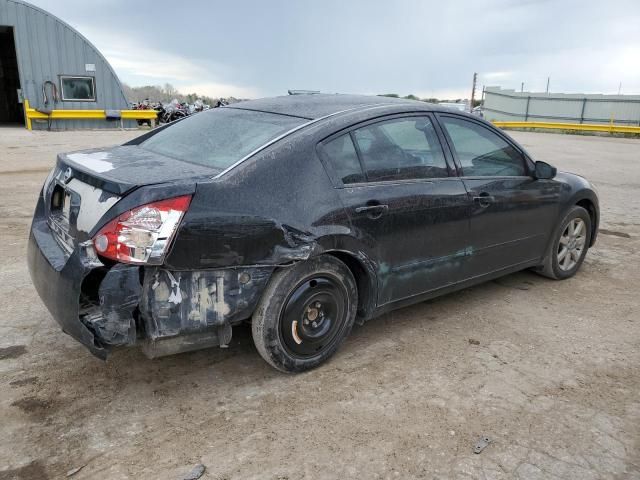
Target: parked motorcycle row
(175, 110)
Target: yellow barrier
(610, 128)
(32, 114)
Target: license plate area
(59, 215)
(61, 203)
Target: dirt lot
(550, 371)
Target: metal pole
(522, 87)
(526, 113)
(473, 92)
(548, 79)
(584, 104)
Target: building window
(77, 89)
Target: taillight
(143, 234)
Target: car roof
(314, 106)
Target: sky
(253, 48)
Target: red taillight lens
(142, 235)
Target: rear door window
(401, 149)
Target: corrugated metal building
(46, 61)
(511, 106)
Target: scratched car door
(404, 201)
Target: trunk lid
(120, 169)
(84, 185)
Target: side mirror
(544, 171)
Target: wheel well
(589, 207)
(366, 293)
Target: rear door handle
(372, 208)
(373, 211)
(484, 199)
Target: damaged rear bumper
(163, 311)
(58, 283)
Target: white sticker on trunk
(96, 161)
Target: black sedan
(302, 214)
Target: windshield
(219, 137)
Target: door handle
(484, 199)
(373, 211)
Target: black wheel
(305, 313)
(569, 247)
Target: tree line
(476, 102)
(165, 94)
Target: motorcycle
(144, 105)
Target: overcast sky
(252, 48)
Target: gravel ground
(549, 371)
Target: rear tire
(569, 246)
(305, 313)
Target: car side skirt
(451, 288)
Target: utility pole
(473, 91)
(548, 79)
(522, 87)
(620, 88)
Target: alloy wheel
(572, 243)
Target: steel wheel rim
(313, 316)
(571, 244)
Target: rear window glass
(344, 159)
(219, 137)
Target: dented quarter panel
(278, 208)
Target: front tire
(569, 247)
(305, 313)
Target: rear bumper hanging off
(163, 311)
(187, 310)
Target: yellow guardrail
(585, 127)
(33, 114)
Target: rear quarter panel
(275, 208)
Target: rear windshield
(219, 137)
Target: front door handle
(373, 211)
(484, 199)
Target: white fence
(511, 106)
